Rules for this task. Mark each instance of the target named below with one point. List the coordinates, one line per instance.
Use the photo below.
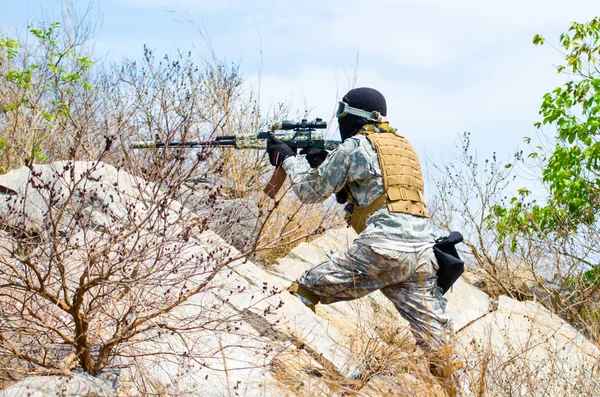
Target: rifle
(303, 136)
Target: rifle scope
(303, 124)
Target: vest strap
(396, 193)
(360, 215)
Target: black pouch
(450, 264)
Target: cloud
(434, 33)
(416, 34)
(209, 6)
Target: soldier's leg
(423, 306)
(419, 301)
(351, 274)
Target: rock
(524, 349)
(76, 385)
(219, 361)
(307, 255)
(527, 349)
(237, 221)
(106, 196)
(207, 185)
(473, 279)
(318, 251)
(466, 303)
(256, 321)
(292, 321)
(290, 269)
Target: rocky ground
(275, 346)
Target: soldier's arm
(315, 185)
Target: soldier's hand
(278, 151)
(314, 156)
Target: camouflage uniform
(393, 254)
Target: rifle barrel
(176, 144)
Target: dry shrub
(520, 371)
(96, 269)
(384, 350)
(291, 223)
(461, 198)
(106, 270)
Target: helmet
(359, 107)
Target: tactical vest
(402, 179)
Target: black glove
(314, 156)
(278, 151)
(341, 196)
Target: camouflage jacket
(355, 163)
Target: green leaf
(538, 40)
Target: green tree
(39, 85)
(571, 170)
(566, 221)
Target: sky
(445, 67)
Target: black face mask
(350, 125)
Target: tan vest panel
(402, 179)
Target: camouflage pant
(407, 279)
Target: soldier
(377, 173)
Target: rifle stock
(276, 182)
